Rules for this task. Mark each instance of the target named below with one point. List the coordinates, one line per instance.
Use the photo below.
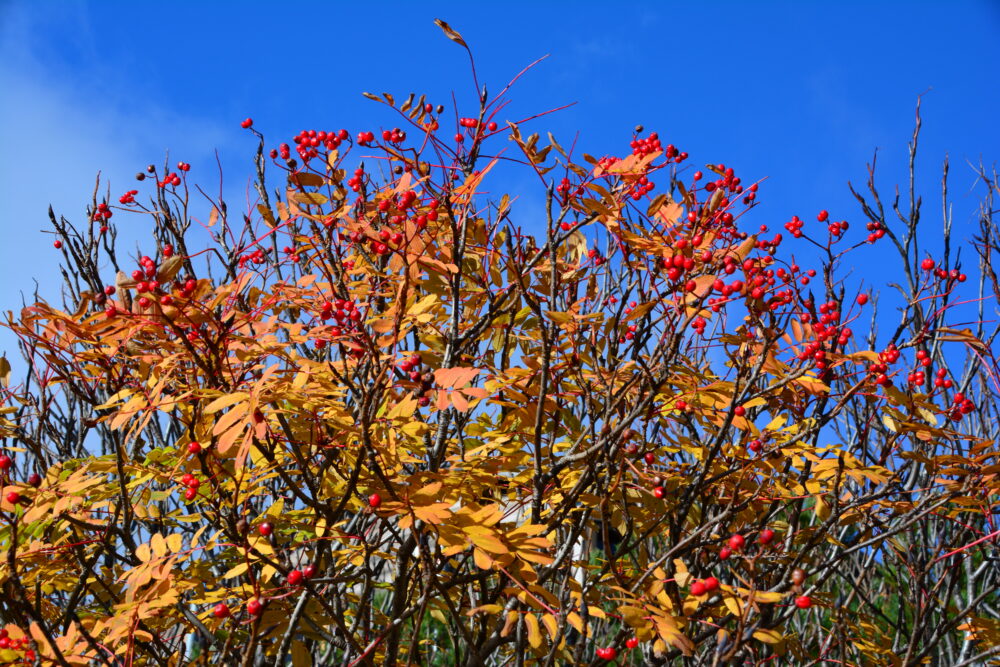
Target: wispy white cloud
(57, 131)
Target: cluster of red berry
(308, 143)
(879, 370)
(192, 483)
(794, 226)
(22, 644)
(701, 587)
(835, 228)
(596, 256)
(476, 129)
(355, 181)
(102, 212)
(170, 179)
(340, 310)
(413, 369)
(255, 257)
(927, 264)
(960, 405)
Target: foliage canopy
(383, 418)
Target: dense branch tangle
(431, 431)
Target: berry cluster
(8, 643)
(888, 356)
(355, 181)
(960, 405)
(794, 226)
(704, 586)
(170, 179)
(595, 255)
(102, 212)
(647, 146)
(192, 483)
(308, 143)
(412, 368)
(255, 257)
(875, 231)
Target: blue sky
(800, 93)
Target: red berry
(803, 602)
(765, 536)
(823, 215)
(862, 299)
(927, 264)
(609, 653)
(632, 642)
(191, 493)
(724, 553)
(739, 411)
(221, 610)
(265, 528)
(309, 571)
(6, 462)
(711, 584)
(650, 458)
(295, 577)
(659, 492)
(57, 244)
(13, 497)
(698, 588)
(374, 500)
(194, 447)
(736, 542)
(255, 608)
(246, 123)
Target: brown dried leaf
(450, 32)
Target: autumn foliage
(384, 417)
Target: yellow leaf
(455, 377)
(308, 198)
(265, 213)
(486, 539)
(482, 559)
(236, 570)
(551, 625)
(508, 626)
(169, 268)
(485, 609)
(821, 508)
(224, 401)
(680, 573)
(415, 429)
(534, 631)
(767, 636)
(403, 408)
(175, 542)
(158, 544)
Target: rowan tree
(383, 418)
